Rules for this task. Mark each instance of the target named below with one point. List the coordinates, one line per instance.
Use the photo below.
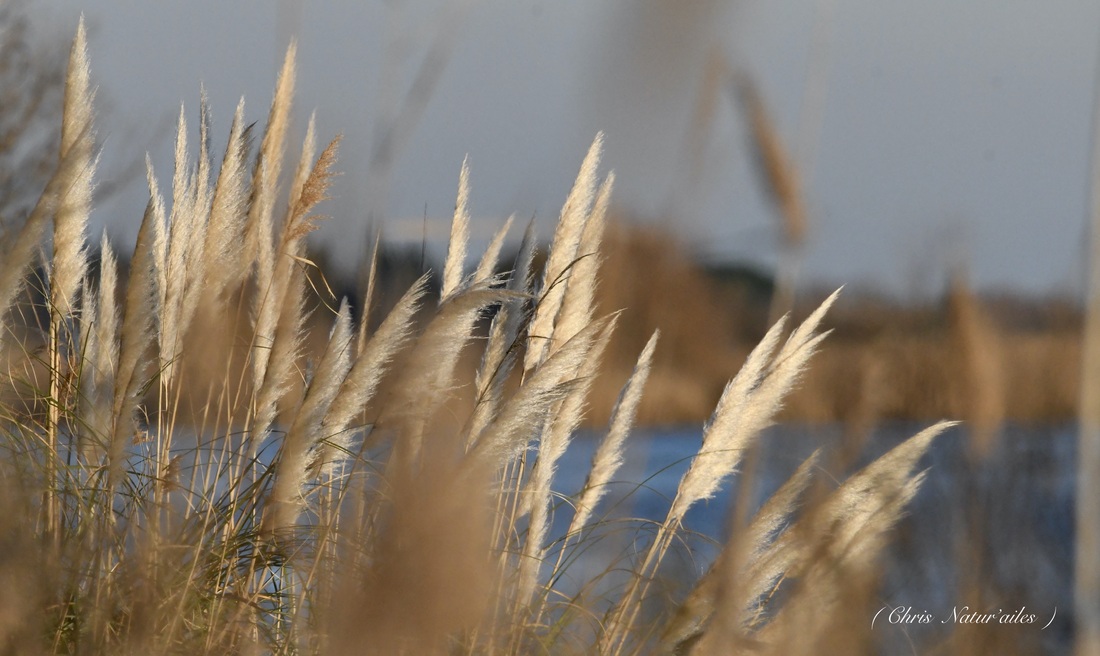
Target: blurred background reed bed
(887, 359)
(214, 441)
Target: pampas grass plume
(460, 235)
(228, 211)
(563, 252)
(609, 455)
(74, 206)
(286, 500)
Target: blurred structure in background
(31, 75)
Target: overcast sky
(936, 133)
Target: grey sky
(952, 130)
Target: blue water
(993, 535)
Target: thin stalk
(52, 421)
(639, 585)
(504, 529)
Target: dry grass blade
(523, 275)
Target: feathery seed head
(460, 236)
(563, 252)
(74, 206)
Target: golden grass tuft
(324, 494)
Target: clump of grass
(298, 510)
